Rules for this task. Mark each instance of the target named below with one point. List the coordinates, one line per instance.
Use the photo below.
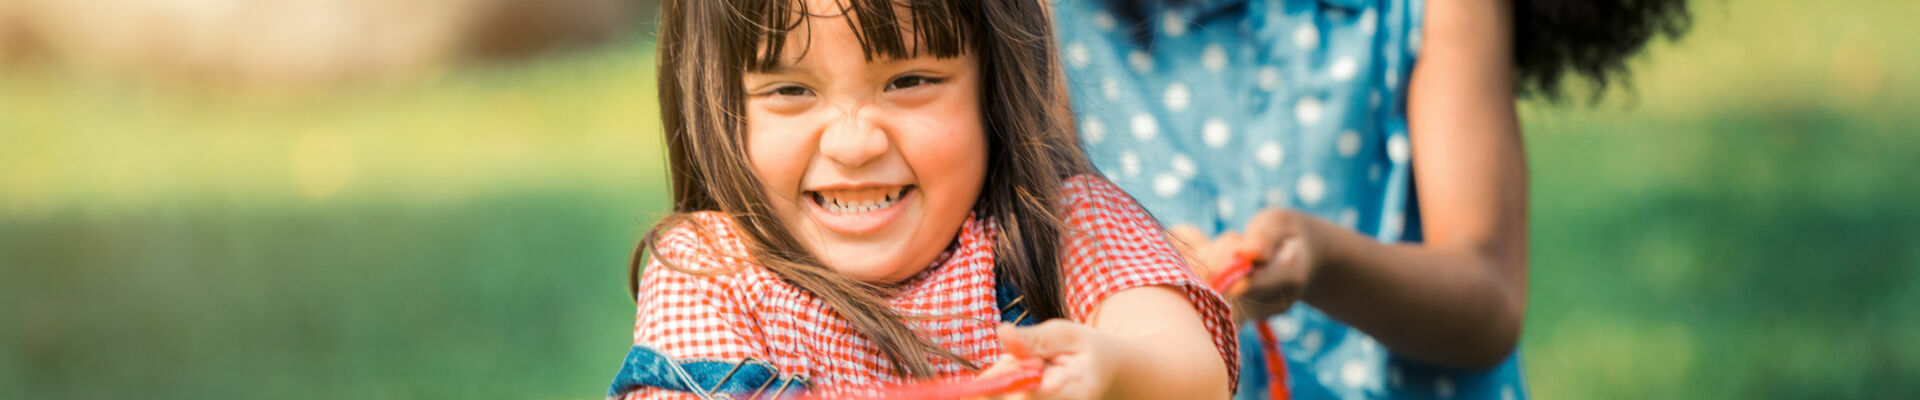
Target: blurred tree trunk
(511, 29)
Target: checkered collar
(971, 253)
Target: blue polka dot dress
(1208, 110)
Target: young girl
(865, 190)
(1367, 151)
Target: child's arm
(1145, 343)
(1169, 347)
(1142, 326)
(1457, 299)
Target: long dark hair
(705, 46)
(1591, 39)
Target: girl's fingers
(1063, 345)
(1264, 246)
(1290, 250)
(1010, 340)
(1044, 341)
(1059, 381)
(1006, 365)
(1285, 262)
(1268, 230)
(1224, 247)
(1237, 248)
(1052, 341)
(1205, 263)
(1277, 282)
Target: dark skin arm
(1457, 299)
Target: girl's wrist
(1336, 249)
(1330, 247)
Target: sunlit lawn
(462, 237)
(1744, 226)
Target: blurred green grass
(1740, 225)
(461, 237)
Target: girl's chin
(876, 263)
(873, 271)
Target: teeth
(837, 206)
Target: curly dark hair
(1589, 39)
(1553, 39)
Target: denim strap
(1012, 305)
(750, 378)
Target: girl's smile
(857, 209)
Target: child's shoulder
(701, 244)
(1090, 195)
(1084, 188)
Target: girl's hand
(1080, 361)
(1287, 248)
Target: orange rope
(1269, 347)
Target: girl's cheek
(963, 137)
(778, 154)
(951, 145)
(949, 141)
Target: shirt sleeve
(693, 309)
(1114, 245)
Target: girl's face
(872, 165)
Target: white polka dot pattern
(1255, 104)
(1178, 97)
(1213, 58)
(1216, 133)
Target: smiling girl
(866, 190)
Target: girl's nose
(854, 140)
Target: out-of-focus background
(436, 199)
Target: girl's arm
(1457, 299)
(1144, 343)
(1146, 328)
(1170, 355)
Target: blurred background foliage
(425, 203)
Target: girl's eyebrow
(780, 69)
(780, 73)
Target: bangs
(886, 29)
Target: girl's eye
(910, 81)
(785, 99)
(790, 91)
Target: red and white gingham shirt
(720, 306)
